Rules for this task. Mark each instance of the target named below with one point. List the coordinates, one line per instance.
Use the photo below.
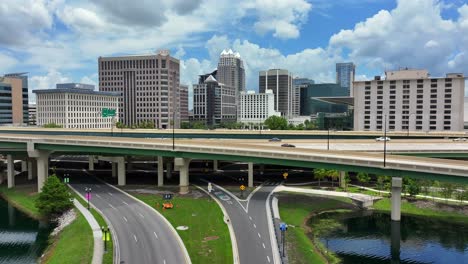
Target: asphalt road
(143, 236)
(250, 224)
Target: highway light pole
(385, 141)
(173, 129)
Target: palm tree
(320, 174)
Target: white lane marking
(268, 259)
(141, 215)
(250, 218)
(259, 235)
(125, 218)
(164, 261)
(111, 206)
(125, 203)
(263, 244)
(110, 194)
(255, 226)
(98, 196)
(136, 240)
(155, 235)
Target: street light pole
(173, 129)
(88, 195)
(385, 141)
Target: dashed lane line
(125, 218)
(156, 235)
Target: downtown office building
(410, 100)
(148, 86)
(255, 108)
(286, 95)
(14, 99)
(345, 73)
(75, 105)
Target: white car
(459, 139)
(382, 139)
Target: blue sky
(60, 40)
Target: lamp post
(88, 195)
(105, 231)
(173, 129)
(283, 228)
(385, 141)
(409, 118)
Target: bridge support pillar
(168, 170)
(114, 169)
(91, 163)
(215, 165)
(396, 199)
(42, 170)
(10, 171)
(395, 241)
(250, 181)
(262, 169)
(30, 169)
(182, 165)
(121, 176)
(342, 179)
(160, 171)
(24, 165)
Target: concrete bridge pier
(10, 171)
(160, 171)
(342, 179)
(24, 165)
(182, 165)
(396, 199)
(250, 181)
(42, 170)
(168, 170)
(121, 176)
(114, 169)
(91, 163)
(215, 165)
(262, 169)
(31, 169)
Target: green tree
(413, 187)
(334, 175)
(461, 193)
(54, 198)
(185, 125)
(425, 186)
(363, 177)
(447, 190)
(380, 183)
(276, 123)
(198, 125)
(320, 174)
(52, 125)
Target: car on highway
(459, 139)
(287, 145)
(382, 139)
(274, 140)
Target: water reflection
(22, 239)
(367, 237)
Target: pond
(22, 238)
(371, 237)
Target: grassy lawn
(411, 209)
(295, 209)
(74, 245)
(108, 257)
(22, 197)
(207, 239)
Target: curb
(179, 240)
(235, 250)
(273, 241)
(98, 249)
(115, 240)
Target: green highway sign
(107, 112)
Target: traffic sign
(242, 187)
(167, 196)
(285, 175)
(107, 112)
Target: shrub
(54, 198)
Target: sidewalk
(97, 233)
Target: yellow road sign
(285, 175)
(242, 187)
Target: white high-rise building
(75, 106)
(256, 108)
(410, 100)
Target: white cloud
(48, 81)
(283, 18)
(7, 62)
(414, 34)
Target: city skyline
(306, 37)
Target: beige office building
(184, 103)
(148, 87)
(410, 100)
(14, 99)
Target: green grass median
(207, 240)
(295, 210)
(73, 245)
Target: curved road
(143, 236)
(250, 223)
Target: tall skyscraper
(231, 70)
(298, 84)
(14, 108)
(345, 73)
(213, 102)
(281, 83)
(148, 84)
